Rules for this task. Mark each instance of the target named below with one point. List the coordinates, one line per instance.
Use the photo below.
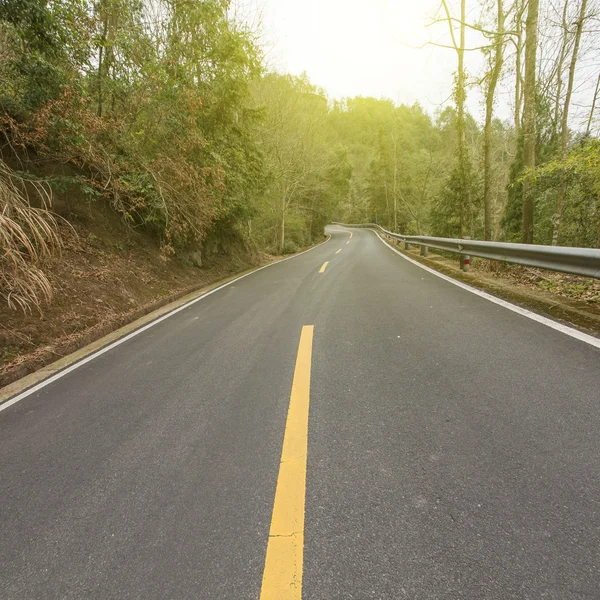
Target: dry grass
(28, 235)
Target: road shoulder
(21, 384)
(573, 313)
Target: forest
(167, 112)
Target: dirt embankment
(567, 298)
(105, 277)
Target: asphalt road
(453, 447)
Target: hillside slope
(105, 276)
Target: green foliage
(306, 173)
(150, 102)
(44, 46)
(581, 218)
(164, 110)
(546, 149)
(406, 160)
(450, 216)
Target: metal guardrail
(566, 259)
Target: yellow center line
(350, 235)
(322, 270)
(282, 577)
(339, 251)
(347, 242)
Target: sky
(365, 47)
(380, 48)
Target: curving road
(453, 448)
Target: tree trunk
(100, 62)
(282, 229)
(387, 207)
(559, 68)
(518, 67)
(395, 190)
(564, 132)
(589, 123)
(598, 222)
(461, 126)
(460, 96)
(310, 219)
(529, 116)
(489, 110)
(109, 18)
(282, 233)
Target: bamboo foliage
(28, 236)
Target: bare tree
(529, 115)
(460, 95)
(560, 64)
(564, 133)
(589, 123)
(493, 77)
(519, 11)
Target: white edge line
(112, 345)
(570, 331)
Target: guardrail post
(424, 251)
(406, 246)
(465, 259)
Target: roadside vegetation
(532, 178)
(165, 114)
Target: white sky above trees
(363, 47)
(375, 48)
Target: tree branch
(474, 27)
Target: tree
(519, 11)
(529, 115)
(463, 170)
(564, 126)
(464, 166)
(595, 98)
(492, 77)
(580, 166)
(560, 64)
(293, 136)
